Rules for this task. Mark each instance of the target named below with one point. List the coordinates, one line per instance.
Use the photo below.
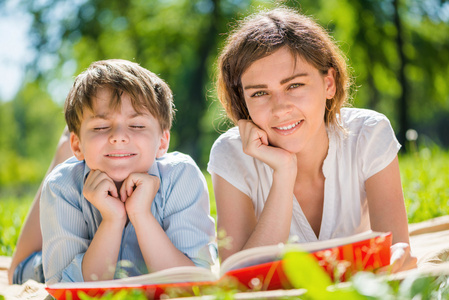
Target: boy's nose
(118, 136)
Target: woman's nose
(280, 104)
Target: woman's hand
(255, 143)
(401, 259)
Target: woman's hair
(146, 90)
(260, 35)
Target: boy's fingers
(113, 191)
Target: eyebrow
(283, 81)
(107, 116)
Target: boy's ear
(76, 147)
(329, 81)
(164, 143)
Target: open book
(257, 268)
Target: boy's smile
(118, 141)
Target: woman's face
(286, 97)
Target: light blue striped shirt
(69, 221)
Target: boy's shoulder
(175, 158)
(172, 161)
(174, 167)
(71, 169)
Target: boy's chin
(119, 178)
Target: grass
(425, 178)
(12, 214)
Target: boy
(124, 198)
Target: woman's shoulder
(355, 117)
(227, 141)
(370, 139)
(231, 134)
(359, 121)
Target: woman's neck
(310, 160)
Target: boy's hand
(138, 192)
(100, 190)
(255, 143)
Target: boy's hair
(146, 90)
(260, 35)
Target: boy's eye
(258, 94)
(100, 128)
(137, 126)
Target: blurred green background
(398, 51)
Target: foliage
(12, 215)
(425, 174)
(363, 285)
(122, 295)
(30, 131)
(179, 40)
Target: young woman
(298, 165)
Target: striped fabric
(69, 221)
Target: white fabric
(368, 146)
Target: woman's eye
(258, 94)
(295, 85)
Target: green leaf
(303, 271)
(417, 286)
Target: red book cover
(259, 268)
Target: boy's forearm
(157, 250)
(100, 260)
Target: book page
(172, 275)
(251, 257)
(259, 255)
(321, 245)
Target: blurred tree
(179, 40)
(399, 53)
(31, 125)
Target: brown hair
(263, 33)
(146, 90)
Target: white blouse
(368, 146)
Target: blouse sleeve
(377, 145)
(229, 162)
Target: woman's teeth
(289, 126)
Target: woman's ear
(329, 82)
(75, 144)
(164, 143)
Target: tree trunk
(402, 103)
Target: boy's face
(121, 141)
